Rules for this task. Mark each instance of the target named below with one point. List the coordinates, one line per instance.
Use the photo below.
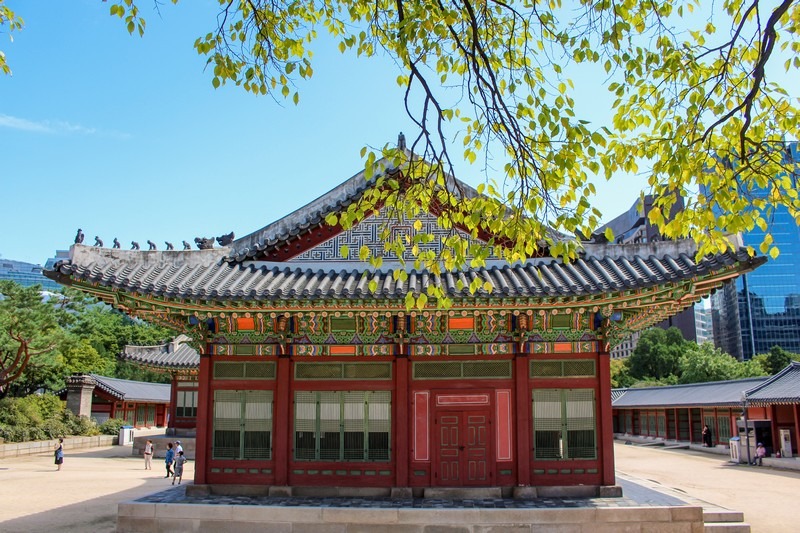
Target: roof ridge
(679, 385)
(771, 379)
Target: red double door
(462, 448)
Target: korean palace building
(307, 378)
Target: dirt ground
(768, 497)
(82, 497)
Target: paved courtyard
(767, 496)
(83, 497)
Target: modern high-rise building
(703, 324)
(762, 309)
(26, 274)
(633, 226)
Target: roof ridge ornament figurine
(169, 245)
(401, 141)
(79, 237)
(151, 244)
(134, 245)
(116, 243)
(187, 246)
(98, 241)
(204, 243)
(225, 240)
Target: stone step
(462, 493)
(722, 516)
(726, 527)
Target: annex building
(768, 408)
(309, 378)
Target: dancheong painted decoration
(309, 378)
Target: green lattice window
(242, 425)
(562, 368)
(662, 425)
(463, 370)
(244, 370)
(186, 404)
(150, 416)
(724, 428)
(334, 370)
(564, 424)
(352, 426)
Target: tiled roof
(204, 274)
(616, 393)
(783, 387)
(314, 213)
(172, 355)
(717, 393)
(130, 391)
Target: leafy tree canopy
(698, 106)
(657, 354)
(44, 340)
(664, 357)
(775, 360)
(703, 363)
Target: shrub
(80, 425)
(111, 426)
(40, 417)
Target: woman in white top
(148, 455)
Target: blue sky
(125, 136)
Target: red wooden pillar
(776, 435)
(173, 401)
(402, 430)
(606, 419)
(523, 419)
(282, 428)
(797, 427)
(204, 414)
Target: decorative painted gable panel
(368, 233)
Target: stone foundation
(137, 517)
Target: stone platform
(174, 510)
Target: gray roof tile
(174, 355)
(133, 391)
(717, 393)
(200, 274)
(783, 387)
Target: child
(180, 459)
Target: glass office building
(26, 274)
(762, 309)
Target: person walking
(169, 458)
(178, 447)
(59, 454)
(180, 460)
(148, 455)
